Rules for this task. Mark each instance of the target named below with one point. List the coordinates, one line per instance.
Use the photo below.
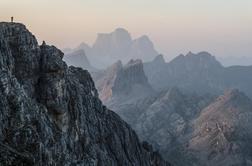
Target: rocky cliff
(50, 114)
(131, 78)
(105, 79)
(120, 81)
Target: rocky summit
(131, 78)
(50, 114)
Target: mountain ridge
(200, 73)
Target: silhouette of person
(12, 18)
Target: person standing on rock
(12, 19)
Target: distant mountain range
(198, 73)
(193, 109)
(188, 108)
(117, 45)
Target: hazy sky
(222, 27)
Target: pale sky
(221, 27)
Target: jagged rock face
(78, 58)
(193, 73)
(118, 82)
(193, 130)
(130, 76)
(120, 39)
(163, 119)
(155, 71)
(222, 133)
(20, 46)
(143, 48)
(118, 45)
(105, 79)
(203, 60)
(169, 112)
(200, 73)
(119, 86)
(51, 114)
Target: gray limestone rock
(50, 114)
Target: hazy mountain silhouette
(118, 45)
(200, 73)
(78, 58)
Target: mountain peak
(120, 30)
(119, 45)
(159, 59)
(144, 42)
(199, 60)
(12, 25)
(18, 29)
(131, 75)
(112, 44)
(121, 34)
(200, 54)
(144, 38)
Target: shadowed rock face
(105, 79)
(119, 86)
(130, 75)
(50, 114)
(119, 81)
